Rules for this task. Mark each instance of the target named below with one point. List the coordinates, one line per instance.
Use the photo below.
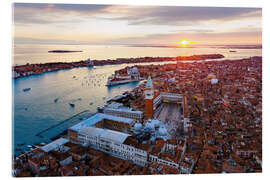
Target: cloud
(27, 40)
(40, 13)
(86, 8)
(198, 37)
(134, 15)
(161, 39)
(60, 23)
(174, 15)
(193, 31)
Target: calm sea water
(36, 110)
(34, 53)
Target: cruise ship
(112, 81)
(133, 76)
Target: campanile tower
(149, 97)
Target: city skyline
(102, 90)
(128, 25)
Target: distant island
(62, 51)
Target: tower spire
(149, 98)
(149, 83)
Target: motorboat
(26, 89)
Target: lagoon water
(47, 103)
(37, 53)
(36, 110)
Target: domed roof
(138, 126)
(156, 123)
(134, 69)
(214, 81)
(162, 131)
(149, 125)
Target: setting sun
(184, 42)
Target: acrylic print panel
(136, 90)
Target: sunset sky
(121, 25)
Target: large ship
(112, 81)
(133, 75)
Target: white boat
(112, 82)
(133, 75)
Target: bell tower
(148, 100)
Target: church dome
(134, 69)
(149, 126)
(156, 123)
(214, 81)
(138, 126)
(162, 131)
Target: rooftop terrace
(113, 136)
(98, 117)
